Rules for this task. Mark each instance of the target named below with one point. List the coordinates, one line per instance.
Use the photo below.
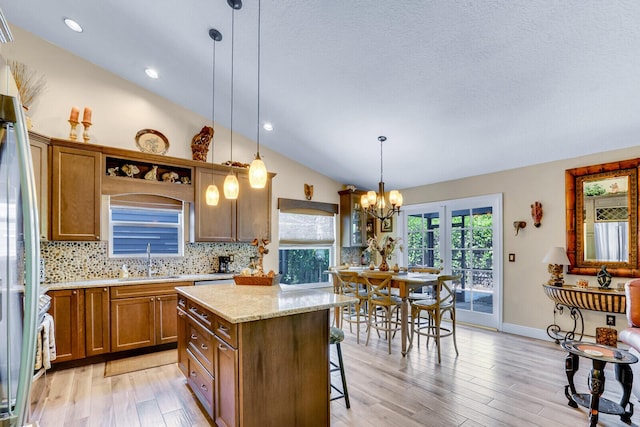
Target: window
(135, 224)
(306, 241)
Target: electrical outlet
(611, 320)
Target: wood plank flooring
(498, 380)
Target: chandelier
(375, 204)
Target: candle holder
(72, 134)
(85, 134)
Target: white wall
(121, 109)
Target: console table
(573, 299)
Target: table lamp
(557, 259)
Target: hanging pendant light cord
(381, 180)
(258, 121)
(213, 98)
(233, 38)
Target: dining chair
(336, 336)
(436, 307)
(356, 312)
(380, 299)
(425, 291)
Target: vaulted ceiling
(459, 87)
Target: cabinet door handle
(194, 337)
(193, 374)
(104, 290)
(204, 347)
(222, 347)
(158, 298)
(223, 328)
(181, 314)
(151, 299)
(204, 387)
(74, 292)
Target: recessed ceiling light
(267, 126)
(73, 25)
(151, 73)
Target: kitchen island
(257, 355)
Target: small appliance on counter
(224, 264)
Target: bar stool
(336, 336)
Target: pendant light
(258, 170)
(231, 185)
(213, 195)
(375, 204)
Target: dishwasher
(214, 282)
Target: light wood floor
(498, 380)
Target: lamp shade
(212, 195)
(257, 173)
(231, 187)
(556, 255)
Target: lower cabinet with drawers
(261, 372)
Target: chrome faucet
(149, 271)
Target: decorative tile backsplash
(73, 261)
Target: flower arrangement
(385, 247)
(29, 84)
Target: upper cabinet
(240, 220)
(75, 193)
(353, 220)
(40, 158)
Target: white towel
(38, 363)
(48, 341)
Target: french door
(463, 237)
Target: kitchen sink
(145, 278)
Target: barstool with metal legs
(336, 336)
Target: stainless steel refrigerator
(19, 257)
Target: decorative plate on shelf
(152, 141)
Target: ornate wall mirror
(602, 218)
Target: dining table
(405, 282)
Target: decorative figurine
(308, 191)
(185, 180)
(152, 175)
(536, 214)
(170, 176)
(113, 171)
(130, 170)
(604, 277)
(200, 143)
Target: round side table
(599, 355)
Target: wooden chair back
(349, 283)
(431, 270)
(378, 286)
(446, 290)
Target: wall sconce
(517, 225)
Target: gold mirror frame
(574, 179)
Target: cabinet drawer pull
(204, 316)
(74, 292)
(222, 347)
(181, 314)
(193, 374)
(204, 347)
(194, 310)
(194, 336)
(104, 290)
(204, 387)
(223, 328)
(181, 302)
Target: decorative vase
(396, 269)
(604, 277)
(383, 265)
(372, 266)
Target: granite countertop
(135, 281)
(238, 304)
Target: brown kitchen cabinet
(248, 360)
(240, 220)
(97, 315)
(67, 310)
(75, 194)
(353, 220)
(213, 223)
(144, 315)
(40, 159)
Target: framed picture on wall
(386, 226)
